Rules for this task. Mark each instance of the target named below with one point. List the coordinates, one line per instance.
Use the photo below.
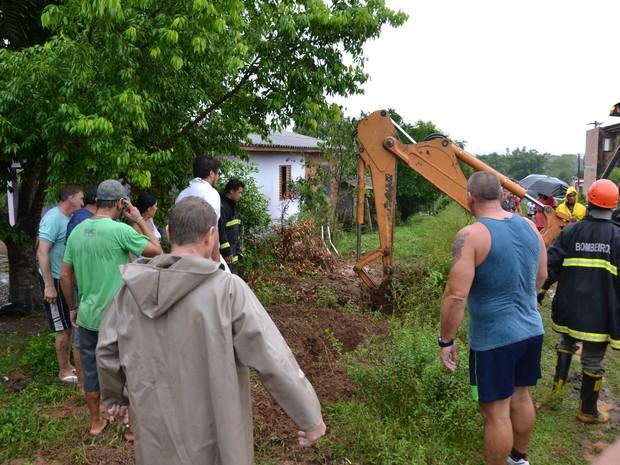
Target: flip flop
(128, 435)
(69, 379)
(91, 438)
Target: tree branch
(187, 129)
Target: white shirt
(156, 232)
(198, 187)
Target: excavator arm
(437, 160)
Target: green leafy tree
(615, 175)
(339, 151)
(413, 192)
(253, 206)
(563, 167)
(133, 89)
(517, 164)
(337, 146)
(496, 161)
(313, 200)
(20, 23)
(525, 162)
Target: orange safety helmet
(603, 193)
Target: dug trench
(322, 317)
(318, 331)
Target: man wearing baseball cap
(94, 250)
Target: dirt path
(318, 336)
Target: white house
(281, 158)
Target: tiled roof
(285, 139)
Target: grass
(422, 261)
(42, 416)
(408, 409)
(28, 418)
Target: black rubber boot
(562, 365)
(590, 388)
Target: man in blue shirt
(499, 263)
(50, 251)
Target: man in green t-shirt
(94, 250)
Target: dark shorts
(58, 313)
(88, 345)
(494, 373)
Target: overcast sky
(499, 74)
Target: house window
(285, 182)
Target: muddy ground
(310, 330)
(318, 329)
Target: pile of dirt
(319, 332)
(318, 337)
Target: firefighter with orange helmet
(584, 259)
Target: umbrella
(542, 184)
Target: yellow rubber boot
(588, 410)
(562, 365)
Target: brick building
(601, 145)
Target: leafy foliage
(326, 297)
(20, 24)
(522, 162)
(146, 82)
(563, 167)
(313, 200)
(253, 206)
(518, 164)
(404, 382)
(615, 175)
(134, 90)
(339, 175)
(413, 192)
(271, 293)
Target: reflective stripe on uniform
(233, 222)
(584, 336)
(591, 263)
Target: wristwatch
(446, 343)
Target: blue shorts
(88, 345)
(494, 373)
(57, 313)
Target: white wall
(268, 178)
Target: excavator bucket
(380, 298)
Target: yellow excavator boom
(437, 160)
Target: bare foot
(99, 427)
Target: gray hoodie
(182, 333)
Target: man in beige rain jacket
(182, 333)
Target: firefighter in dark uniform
(230, 239)
(584, 260)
